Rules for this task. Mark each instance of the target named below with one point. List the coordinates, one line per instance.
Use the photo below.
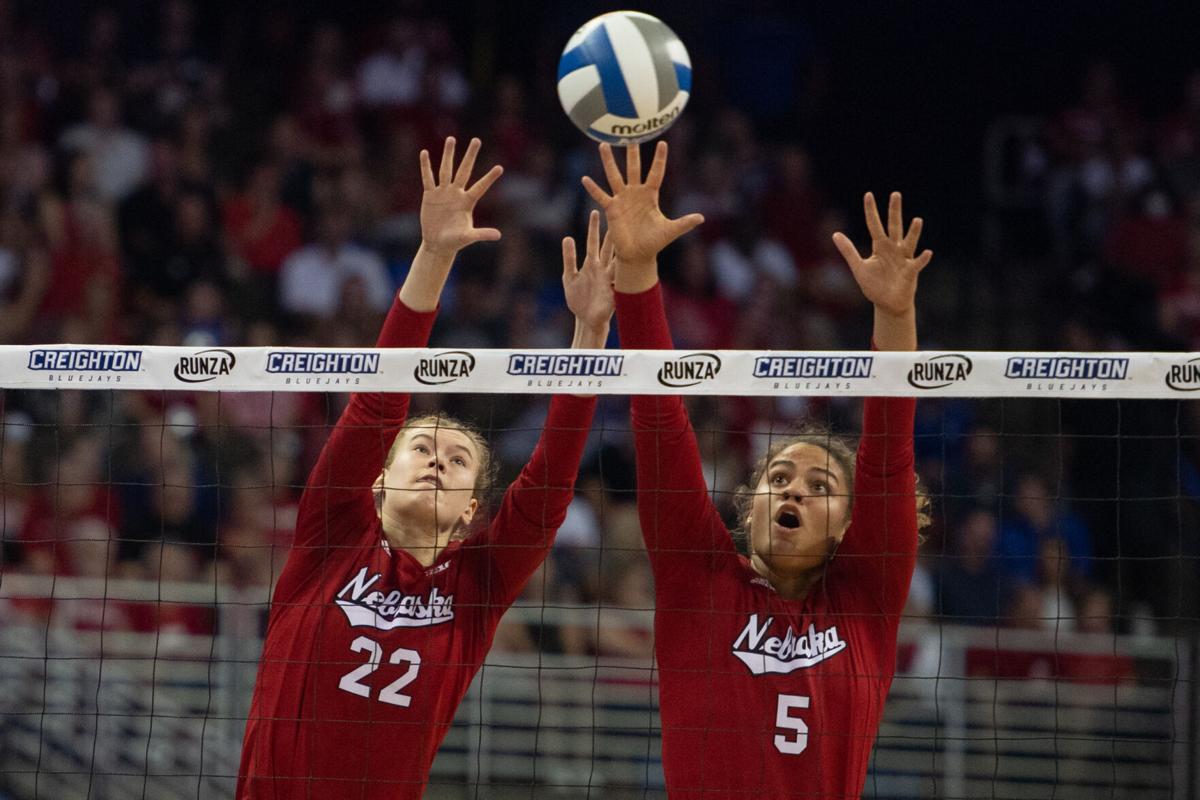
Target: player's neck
(421, 542)
(789, 587)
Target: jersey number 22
(350, 682)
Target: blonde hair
(485, 477)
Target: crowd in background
(178, 190)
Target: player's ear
(469, 513)
(377, 491)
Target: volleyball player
(773, 667)
(388, 602)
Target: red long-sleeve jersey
(763, 696)
(368, 653)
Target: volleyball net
(1048, 647)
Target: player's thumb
(685, 224)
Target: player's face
(800, 511)
(431, 479)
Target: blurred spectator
(1035, 519)
(393, 75)
(314, 277)
(71, 516)
(700, 317)
(792, 207)
(1027, 608)
(1055, 583)
(543, 590)
(120, 156)
(627, 584)
(1095, 613)
(24, 278)
(970, 587)
(262, 230)
(174, 70)
(747, 262)
(81, 234)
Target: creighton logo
(444, 367)
(1184, 377)
(367, 608)
(770, 655)
(1068, 368)
(689, 370)
(939, 371)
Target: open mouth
(788, 519)
(434, 482)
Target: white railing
(97, 715)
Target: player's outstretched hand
(888, 277)
(637, 225)
(448, 203)
(589, 289)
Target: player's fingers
(485, 234)
(848, 250)
(593, 236)
(684, 224)
(909, 245)
(895, 218)
(601, 197)
(569, 262)
(924, 259)
(479, 189)
(633, 164)
(468, 163)
(446, 168)
(426, 172)
(871, 211)
(658, 167)
(607, 262)
(611, 171)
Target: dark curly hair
(842, 451)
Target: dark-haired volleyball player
(387, 605)
(773, 668)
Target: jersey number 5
(796, 745)
(391, 692)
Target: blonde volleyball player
(389, 602)
(773, 667)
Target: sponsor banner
(616, 372)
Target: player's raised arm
(355, 452)
(535, 505)
(678, 518)
(879, 549)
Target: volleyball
(624, 77)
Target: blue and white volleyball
(624, 77)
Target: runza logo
(367, 608)
(1184, 377)
(770, 655)
(85, 360)
(444, 367)
(204, 366)
(1067, 368)
(323, 363)
(591, 366)
(939, 371)
(689, 370)
(813, 366)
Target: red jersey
(763, 696)
(368, 653)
